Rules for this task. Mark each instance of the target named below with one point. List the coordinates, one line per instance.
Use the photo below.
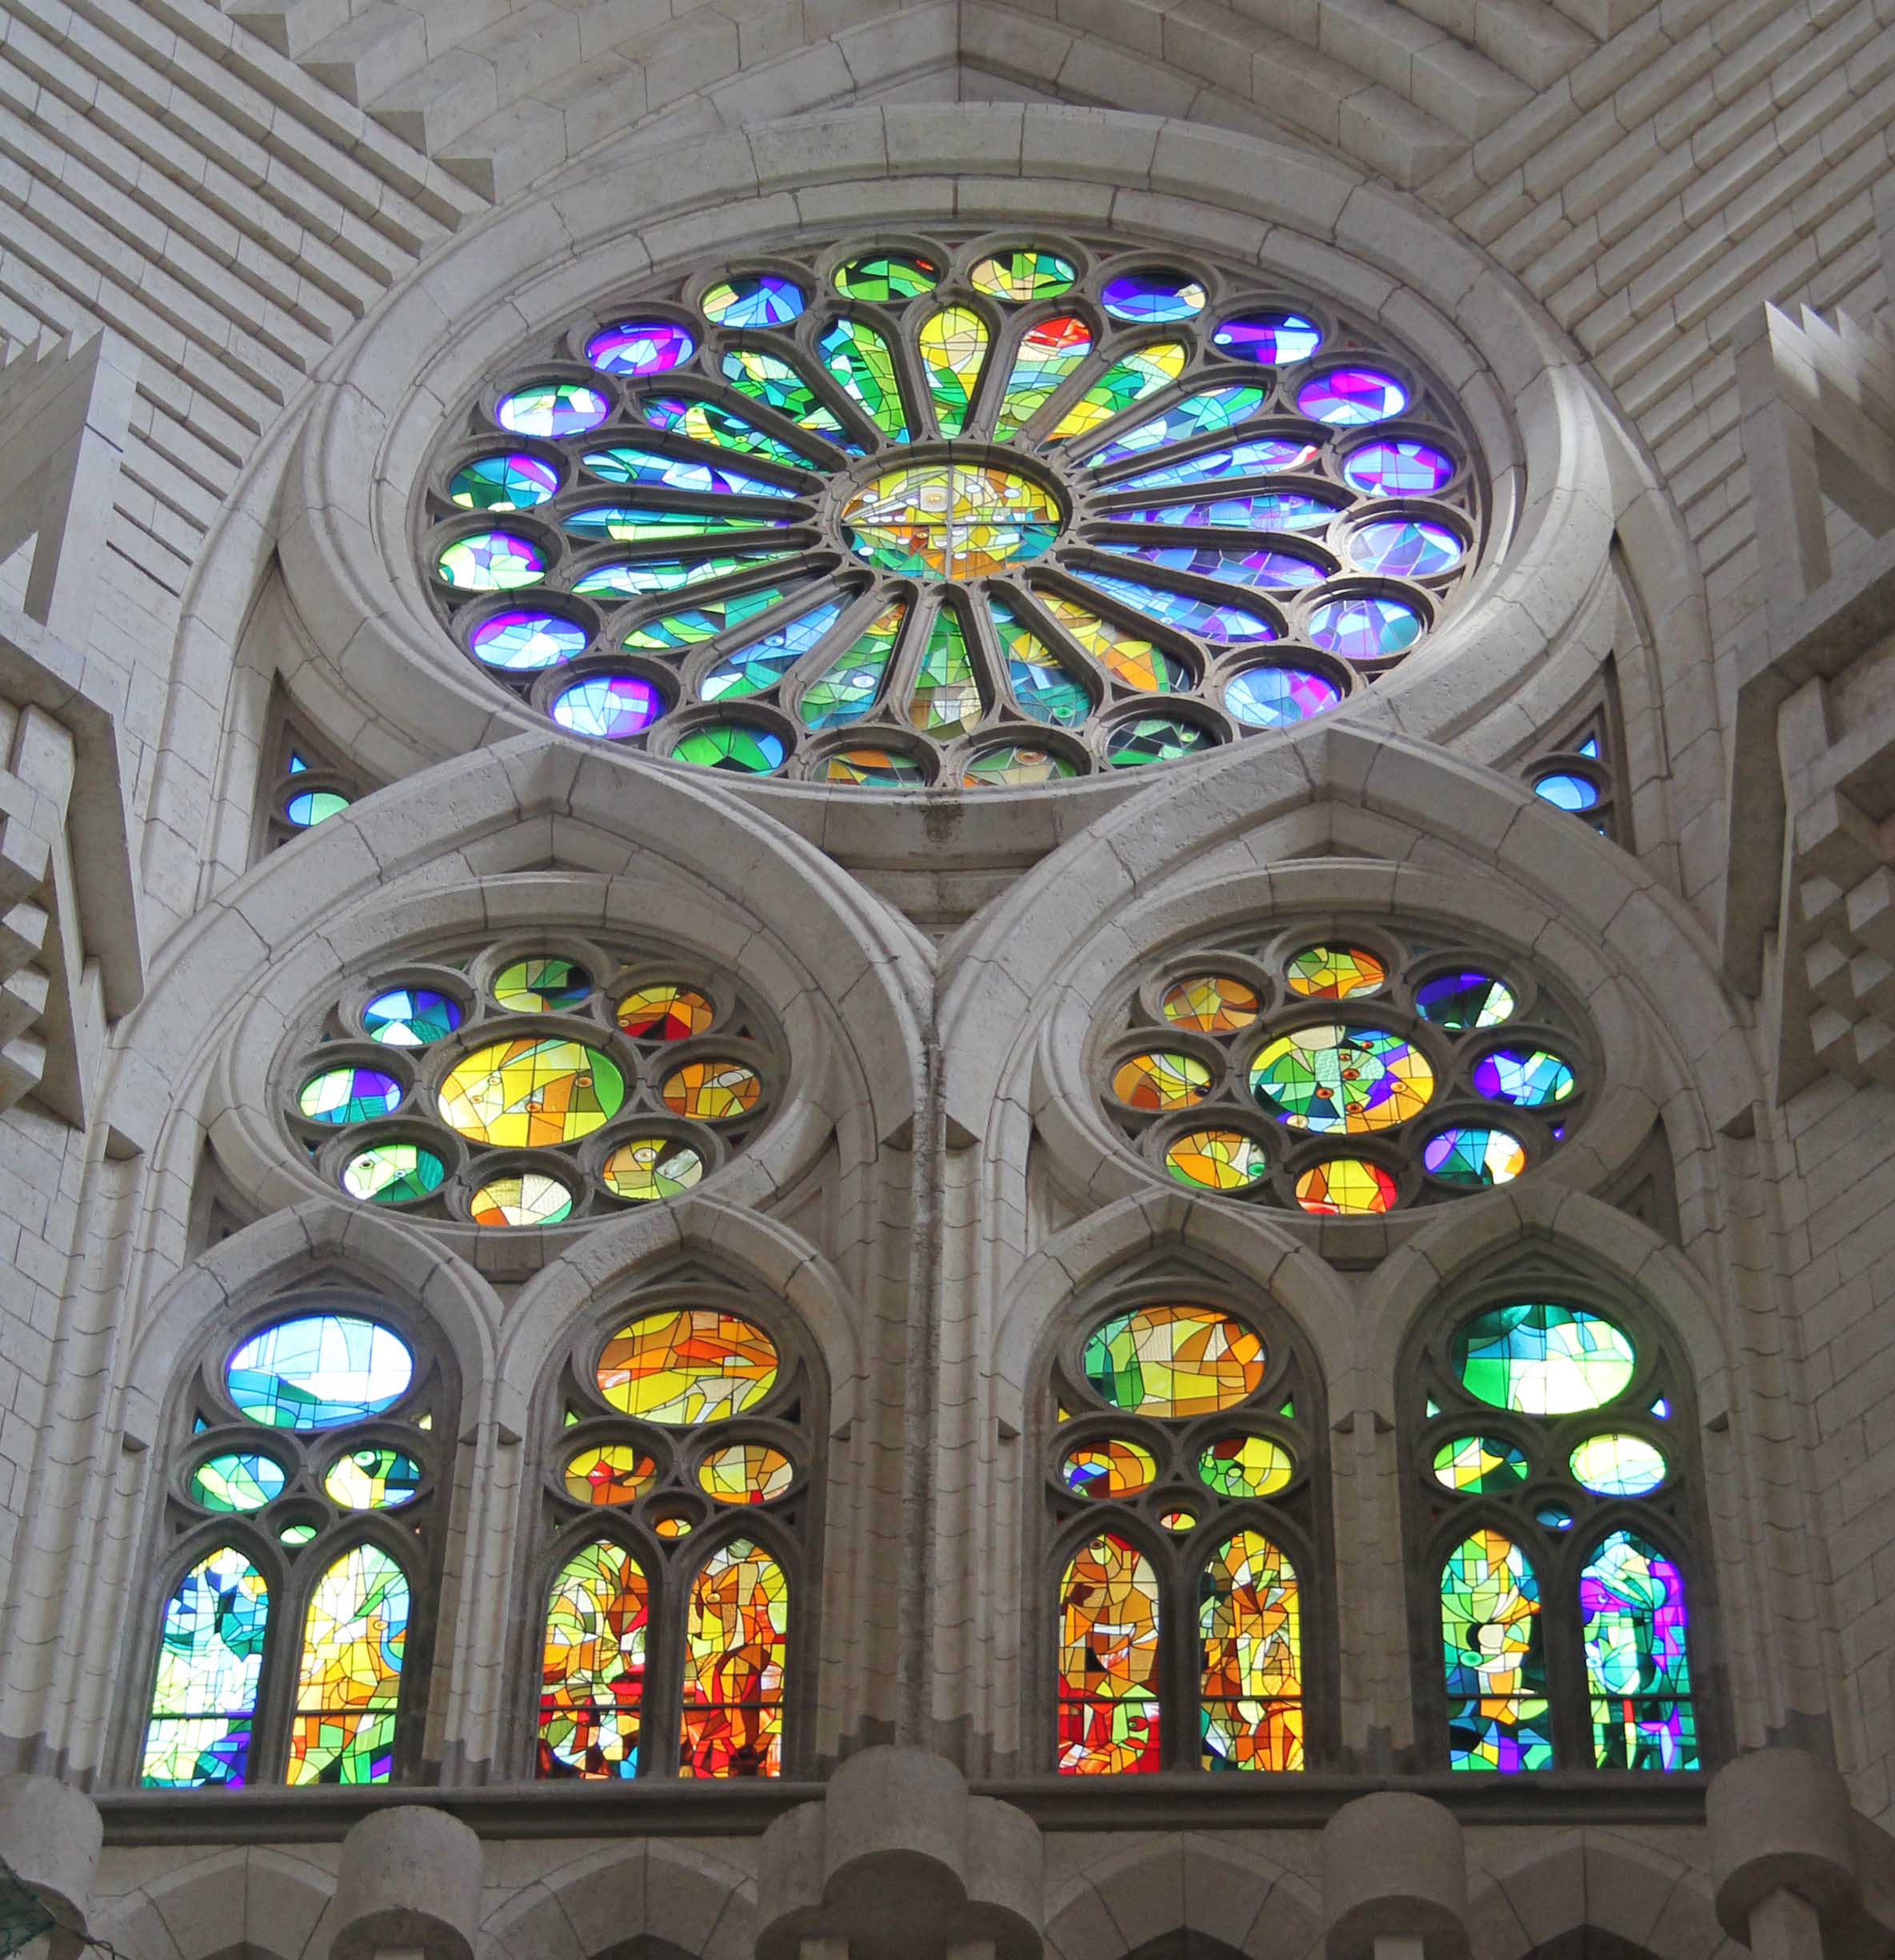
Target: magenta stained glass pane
(1276, 571)
(1153, 299)
(1274, 696)
(640, 347)
(1265, 454)
(613, 706)
(1405, 548)
(1230, 626)
(524, 642)
(1364, 629)
(1273, 337)
(1398, 468)
(1345, 397)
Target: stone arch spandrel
(1228, 1898)
(636, 1899)
(1549, 1901)
(257, 1903)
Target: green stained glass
(373, 1478)
(735, 746)
(846, 690)
(1018, 277)
(1042, 685)
(210, 1658)
(1016, 765)
(889, 277)
(1174, 1363)
(672, 633)
(953, 349)
(1134, 662)
(1050, 355)
(859, 362)
(1479, 1464)
(237, 1481)
(767, 378)
(708, 421)
(947, 697)
(759, 664)
(629, 582)
(1156, 738)
(1638, 1670)
(628, 526)
(1543, 1360)
(1618, 1465)
(392, 1173)
(1495, 1665)
(1122, 386)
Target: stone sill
(663, 1808)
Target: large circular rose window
(907, 511)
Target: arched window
(1187, 1506)
(304, 1516)
(680, 1504)
(1551, 1471)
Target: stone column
(409, 1888)
(49, 1836)
(1394, 1881)
(1783, 1853)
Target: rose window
(1344, 1072)
(982, 514)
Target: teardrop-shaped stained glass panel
(1050, 355)
(1042, 686)
(953, 343)
(769, 378)
(756, 666)
(1140, 664)
(711, 423)
(1204, 413)
(858, 360)
(645, 469)
(946, 699)
(1227, 625)
(1123, 386)
(849, 687)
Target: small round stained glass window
(688, 1366)
(1111, 1466)
(319, 1371)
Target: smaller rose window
(1344, 1072)
(529, 1083)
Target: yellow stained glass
(1108, 1661)
(689, 1365)
(1170, 1362)
(1210, 1004)
(745, 1473)
(531, 1093)
(665, 1011)
(712, 1090)
(1216, 1160)
(1126, 381)
(737, 1639)
(950, 520)
(1161, 1080)
(953, 349)
(608, 1473)
(349, 1681)
(1134, 662)
(1346, 1187)
(1333, 973)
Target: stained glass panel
(946, 699)
(1108, 1661)
(953, 344)
(349, 1681)
(1170, 1362)
(1049, 354)
(1250, 1628)
(847, 689)
(592, 1668)
(736, 1637)
(1539, 1359)
(531, 1094)
(1331, 1080)
(1483, 1465)
(1497, 1715)
(711, 423)
(318, 1371)
(1124, 385)
(1245, 1467)
(690, 1364)
(1216, 1160)
(1638, 1671)
(756, 666)
(1140, 664)
(1110, 1467)
(210, 1658)
(1042, 685)
(768, 379)
(745, 1473)
(858, 360)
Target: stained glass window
(737, 1640)
(1565, 1630)
(209, 1659)
(1250, 1628)
(592, 1669)
(1346, 1074)
(349, 1683)
(1109, 1711)
(1251, 465)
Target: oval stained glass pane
(745, 1473)
(1460, 1001)
(410, 1016)
(1015, 278)
(687, 1364)
(1332, 1080)
(1529, 1078)
(1405, 548)
(609, 707)
(342, 1096)
(1473, 1156)
(1216, 1160)
(1385, 469)
(541, 986)
(1346, 1187)
(1156, 738)
(1618, 1465)
(1110, 1466)
(1364, 628)
(1160, 1079)
(1325, 973)
(318, 1370)
(1108, 1709)
(392, 1173)
(753, 299)
(237, 1481)
(1173, 1361)
(889, 278)
(592, 1667)
(1153, 297)
(650, 1168)
(373, 1478)
(1480, 1465)
(490, 562)
(531, 1093)
(1566, 791)
(520, 1199)
(502, 483)
(1210, 1003)
(712, 1091)
(666, 1010)
(1274, 337)
(740, 748)
(525, 642)
(608, 1473)
(1347, 397)
(1245, 1467)
(1537, 1358)
(311, 807)
(640, 347)
(1279, 697)
(552, 408)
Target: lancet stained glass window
(667, 523)
(286, 1634)
(1183, 1441)
(1550, 1477)
(678, 1496)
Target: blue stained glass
(524, 642)
(640, 347)
(611, 705)
(646, 466)
(1529, 1078)
(753, 299)
(210, 1658)
(1271, 570)
(1347, 397)
(1153, 299)
(1275, 339)
(628, 581)
(1405, 548)
(1364, 629)
(297, 764)
(1264, 455)
(552, 408)
(1197, 414)
(1387, 468)
(846, 690)
(1267, 510)
(708, 422)
(410, 1016)
(630, 524)
(317, 1370)
(1278, 697)
(1230, 626)
(1566, 791)
(1042, 685)
(1588, 747)
(760, 663)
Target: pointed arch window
(1551, 1470)
(680, 1506)
(302, 1519)
(1183, 1439)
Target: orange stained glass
(1160, 1079)
(592, 1668)
(348, 1684)
(695, 1364)
(609, 1473)
(1110, 1466)
(1333, 973)
(532, 1094)
(745, 1473)
(713, 1090)
(1250, 1627)
(736, 1638)
(672, 1525)
(1210, 1003)
(1134, 662)
(1216, 1160)
(666, 1011)
(1346, 1187)
(1108, 1661)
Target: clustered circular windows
(983, 513)
(527, 1082)
(1343, 1071)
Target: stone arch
(1182, 1896)
(258, 1903)
(1594, 1895)
(640, 1899)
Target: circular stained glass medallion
(1111, 1466)
(1541, 1359)
(1461, 1001)
(1216, 1160)
(1480, 1466)
(745, 1473)
(1160, 1081)
(1210, 1003)
(689, 1365)
(342, 1096)
(1173, 1361)
(317, 1370)
(650, 1168)
(392, 1173)
(1245, 1467)
(373, 1478)
(1332, 1080)
(1618, 1465)
(1346, 1187)
(541, 987)
(611, 1473)
(1325, 973)
(410, 1016)
(1529, 1078)
(1014, 428)
(1471, 1155)
(520, 1198)
(666, 1011)
(532, 1095)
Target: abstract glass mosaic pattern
(1344, 1074)
(517, 1087)
(742, 529)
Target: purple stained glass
(524, 642)
(1230, 626)
(753, 299)
(1345, 397)
(1267, 453)
(613, 706)
(1264, 510)
(640, 347)
(1405, 548)
(1274, 696)
(1153, 298)
(1275, 339)
(1364, 629)
(1398, 468)
(1276, 571)
(1528, 1078)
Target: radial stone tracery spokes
(910, 512)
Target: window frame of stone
(555, 1528)
(1674, 1519)
(1298, 1520)
(178, 1539)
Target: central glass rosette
(953, 519)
